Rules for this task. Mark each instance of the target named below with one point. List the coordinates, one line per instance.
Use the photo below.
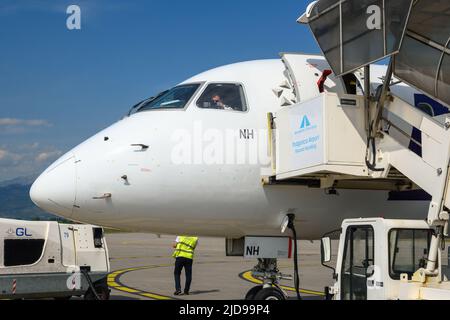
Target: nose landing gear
(267, 270)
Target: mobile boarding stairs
(342, 141)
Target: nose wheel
(270, 294)
(253, 292)
(260, 293)
(267, 270)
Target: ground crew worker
(184, 255)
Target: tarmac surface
(142, 269)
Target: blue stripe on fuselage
(430, 107)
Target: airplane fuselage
(198, 171)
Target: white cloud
(35, 145)
(9, 158)
(22, 122)
(14, 126)
(26, 159)
(2, 154)
(46, 156)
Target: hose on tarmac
(91, 284)
(296, 274)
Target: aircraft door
(357, 262)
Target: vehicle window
(176, 98)
(223, 96)
(98, 237)
(408, 251)
(359, 256)
(22, 252)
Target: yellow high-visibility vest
(185, 248)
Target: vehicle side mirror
(326, 250)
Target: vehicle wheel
(270, 294)
(102, 291)
(252, 293)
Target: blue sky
(58, 87)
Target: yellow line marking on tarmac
(155, 296)
(126, 289)
(114, 282)
(248, 276)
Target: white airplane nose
(54, 191)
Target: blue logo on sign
(22, 232)
(305, 123)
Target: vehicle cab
(376, 256)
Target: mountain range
(15, 202)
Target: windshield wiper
(136, 107)
(133, 108)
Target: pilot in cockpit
(218, 103)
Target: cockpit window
(223, 96)
(136, 107)
(176, 98)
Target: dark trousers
(181, 263)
